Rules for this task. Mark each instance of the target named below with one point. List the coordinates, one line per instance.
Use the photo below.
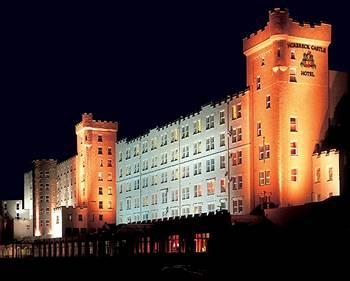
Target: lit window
(222, 185)
(109, 190)
(293, 148)
(293, 124)
(198, 190)
(222, 117)
(330, 173)
(211, 187)
(261, 178)
(109, 204)
(236, 111)
(209, 122)
(100, 176)
(293, 174)
(268, 102)
(99, 138)
(109, 176)
(292, 75)
(258, 83)
(267, 177)
(197, 127)
(258, 129)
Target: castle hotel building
(258, 148)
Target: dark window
(99, 138)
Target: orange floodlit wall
(287, 72)
(325, 175)
(96, 179)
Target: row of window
(318, 174)
(100, 150)
(265, 176)
(100, 190)
(174, 174)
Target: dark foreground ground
(298, 256)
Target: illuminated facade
(259, 148)
(261, 141)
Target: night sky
(141, 64)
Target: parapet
(88, 121)
(325, 153)
(281, 24)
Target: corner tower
(96, 176)
(287, 72)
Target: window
(237, 205)
(185, 151)
(234, 135)
(211, 207)
(17, 206)
(185, 172)
(137, 203)
(222, 139)
(211, 187)
(236, 111)
(293, 124)
(153, 143)
(261, 178)
(209, 122)
(198, 209)
(154, 200)
(222, 185)
(109, 204)
(292, 54)
(267, 151)
(174, 155)
(210, 165)
(137, 184)
(262, 61)
(100, 204)
(185, 193)
(330, 173)
(198, 190)
(174, 135)
(197, 168)
(258, 83)
(239, 134)
(317, 175)
(268, 102)
(164, 197)
(293, 174)
(279, 52)
(100, 190)
(222, 162)
(210, 143)
(197, 148)
(100, 150)
(144, 147)
(293, 148)
(101, 163)
(184, 132)
(80, 217)
(144, 201)
(197, 128)
(109, 163)
(109, 176)
(222, 117)
(185, 211)
(100, 217)
(292, 75)
(164, 159)
(267, 177)
(174, 195)
(99, 138)
(239, 157)
(164, 140)
(109, 192)
(234, 183)
(258, 129)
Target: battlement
(88, 121)
(325, 153)
(281, 24)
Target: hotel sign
(307, 46)
(307, 63)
